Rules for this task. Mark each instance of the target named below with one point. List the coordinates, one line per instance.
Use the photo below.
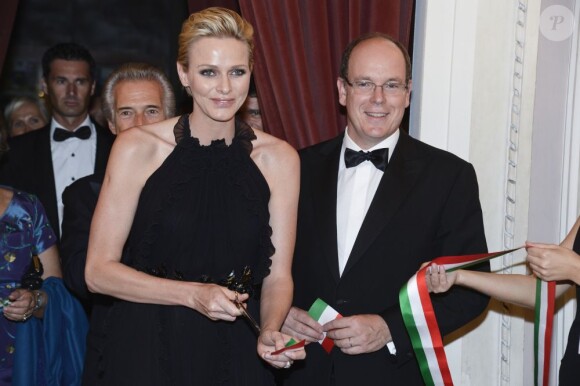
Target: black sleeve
(79, 205)
(461, 232)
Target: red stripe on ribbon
(449, 263)
(549, 325)
(433, 327)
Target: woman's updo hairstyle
(214, 22)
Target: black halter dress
(570, 365)
(202, 216)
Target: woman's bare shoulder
(272, 150)
(142, 149)
(142, 140)
(276, 159)
(160, 131)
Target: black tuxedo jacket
(80, 200)
(426, 206)
(28, 166)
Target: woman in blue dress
(42, 327)
(560, 263)
(24, 232)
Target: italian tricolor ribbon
(543, 323)
(323, 313)
(421, 323)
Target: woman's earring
(187, 90)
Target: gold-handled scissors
(247, 315)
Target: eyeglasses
(368, 87)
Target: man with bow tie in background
(44, 162)
(375, 204)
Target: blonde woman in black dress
(197, 215)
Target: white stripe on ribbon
(423, 330)
(542, 328)
(327, 315)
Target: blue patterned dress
(24, 231)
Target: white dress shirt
(356, 188)
(72, 159)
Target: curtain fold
(7, 16)
(297, 58)
(198, 5)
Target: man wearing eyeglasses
(374, 204)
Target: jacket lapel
(324, 199)
(104, 142)
(43, 159)
(46, 190)
(401, 175)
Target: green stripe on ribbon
(317, 309)
(411, 326)
(450, 263)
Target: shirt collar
(390, 142)
(87, 122)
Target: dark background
(298, 45)
(114, 32)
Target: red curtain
(7, 15)
(198, 5)
(297, 58)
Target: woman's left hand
(21, 305)
(270, 341)
(438, 280)
(552, 262)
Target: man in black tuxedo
(374, 204)
(135, 94)
(45, 161)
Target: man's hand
(300, 325)
(358, 334)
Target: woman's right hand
(216, 302)
(438, 280)
(270, 341)
(21, 305)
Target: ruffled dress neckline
(244, 135)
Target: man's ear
(43, 86)
(410, 85)
(112, 127)
(409, 88)
(341, 91)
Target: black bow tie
(83, 132)
(379, 157)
